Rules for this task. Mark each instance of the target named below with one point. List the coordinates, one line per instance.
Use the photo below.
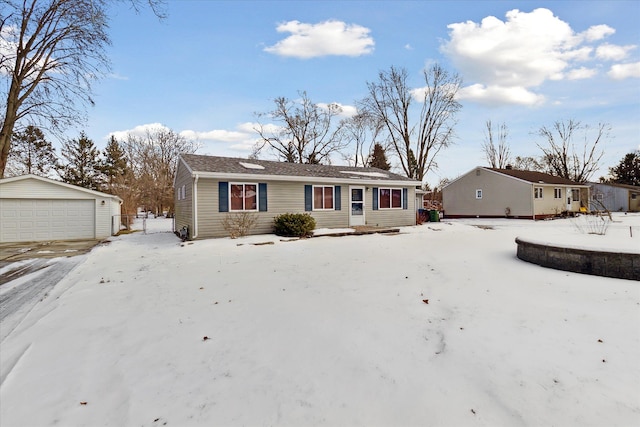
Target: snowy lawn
(440, 325)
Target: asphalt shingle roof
(215, 164)
(535, 177)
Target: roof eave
(329, 180)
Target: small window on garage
(479, 193)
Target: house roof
(60, 183)
(535, 177)
(214, 166)
(610, 184)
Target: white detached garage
(33, 209)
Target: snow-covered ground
(440, 325)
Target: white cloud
(138, 131)
(597, 32)
(408, 46)
(346, 110)
(613, 52)
(214, 135)
(623, 71)
(581, 73)
(323, 39)
(496, 95)
(508, 58)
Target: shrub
(239, 224)
(294, 225)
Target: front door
(568, 200)
(356, 213)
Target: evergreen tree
(32, 153)
(114, 165)
(379, 158)
(82, 166)
(628, 170)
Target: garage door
(31, 220)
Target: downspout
(533, 202)
(195, 207)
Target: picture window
(323, 198)
(243, 197)
(390, 198)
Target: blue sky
(211, 65)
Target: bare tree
(415, 142)
(563, 158)
(497, 155)
(305, 132)
(529, 163)
(361, 132)
(154, 160)
(52, 52)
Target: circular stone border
(619, 265)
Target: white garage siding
(30, 220)
(34, 208)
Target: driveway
(29, 270)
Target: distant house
(488, 192)
(33, 209)
(614, 197)
(208, 189)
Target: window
(322, 198)
(557, 193)
(575, 195)
(184, 192)
(478, 194)
(243, 197)
(390, 198)
(537, 192)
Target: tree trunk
(7, 126)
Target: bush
(294, 225)
(239, 224)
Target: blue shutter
(223, 196)
(336, 196)
(308, 198)
(375, 198)
(262, 197)
(405, 198)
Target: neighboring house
(209, 189)
(491, 193)
(614, 197)
(33, 209)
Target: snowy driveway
(25, 283)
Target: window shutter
(375, 198)
(262, 197)
(337, 202)
(405, 198)
(308, 198)
(223, 196)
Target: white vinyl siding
(43, 198)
